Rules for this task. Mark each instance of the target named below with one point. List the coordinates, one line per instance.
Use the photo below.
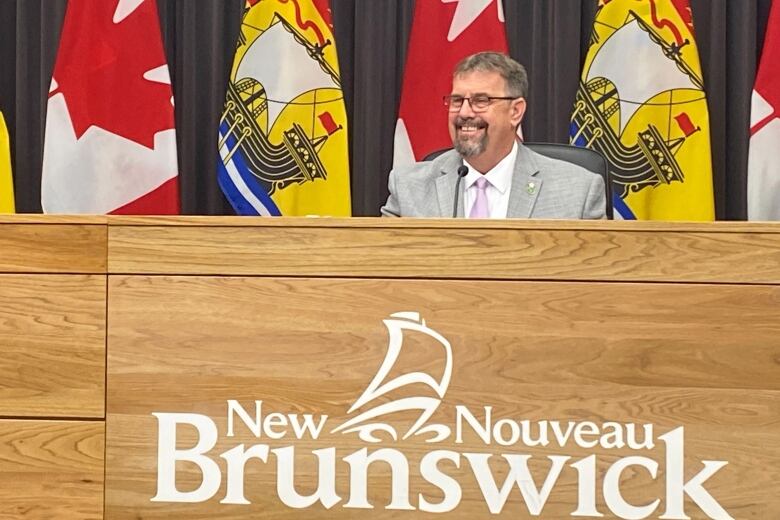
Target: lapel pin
(531, 188)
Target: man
(504, 179)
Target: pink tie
(480, 207)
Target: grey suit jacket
(541, 188)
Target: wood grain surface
(527, 250)
(50, 244)
(52, 339)
(51, 470)
(427, 223)
(698, 356)
(673, 325)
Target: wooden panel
(52, 335)
(51, 469)
(48, 244)
(529, 250)
(446, 223)
(702, 357)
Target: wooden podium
(202, 367)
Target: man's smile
(469, 127)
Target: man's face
(491, 131)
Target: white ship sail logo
(369, 422)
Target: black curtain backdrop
(548, 36)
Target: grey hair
(514, 74)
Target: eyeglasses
(478, 103)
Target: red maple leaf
(100, 68)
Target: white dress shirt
(499, 183)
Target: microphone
(463, 170)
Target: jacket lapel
(448, 164)
(526, 185)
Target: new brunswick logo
(366, 424)
(476, 447)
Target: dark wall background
(548, 36)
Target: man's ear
(518, 111)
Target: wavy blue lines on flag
(238, 184)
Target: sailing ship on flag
(651, 124)
(283, 105)
(378, 395)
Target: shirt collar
(500, 176)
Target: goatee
(469, 146)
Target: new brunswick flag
(283, 133)
(6, 179)
(641, 103)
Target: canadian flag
(764, 161)
(443, 33)
(110, 138)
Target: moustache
(470, 121)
